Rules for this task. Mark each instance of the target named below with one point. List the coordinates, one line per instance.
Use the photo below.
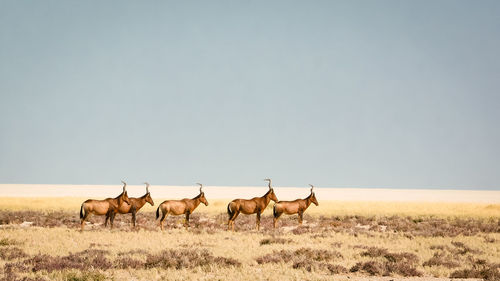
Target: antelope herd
(123, 204)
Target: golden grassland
(246, 246)
(327, 208)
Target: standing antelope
(178, 207)
(256, 205)
(297, 206)
(106, 207)
(134, 206)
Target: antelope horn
(201, 185)
(124, 186)
(268, 180)
(312, 186)
(147, 187)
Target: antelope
(134, 206)
(297, 206)
(256, 205)
(178, 207)
(106, 207)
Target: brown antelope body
(108, 207)
(256, 205)
(297, 206)
(134, 206)
(179, 207)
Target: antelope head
(313, 196)
(270, 193)
(202, 195)
(148, 195)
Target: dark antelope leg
(275, 220)
(258, 220)
(106, 220)
(187, 219)
(112, 219)
(133, 218)
(162, 219)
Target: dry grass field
(40, 240)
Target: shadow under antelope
(108, 207)
(178, 207)
(134, 206)
(256, 205)
(297, 206)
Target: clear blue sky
(399, 94)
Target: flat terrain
(231, 192)
(40, 240)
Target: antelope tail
(230, 214)
(81, 212)
(158, 212)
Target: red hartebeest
(178, 207)
(106, 207)
(256, 205)
(134, 206)
(293, 207)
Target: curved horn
(312, 186)
(147, 187)
(201, 185)
(124, 186)
(268, 180)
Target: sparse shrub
(179, 259)
(301, 230)
(441, 259)
(409, 258)
(336, 269)
(336, 244)
(88, 259)
(374, 252)
(480, 269)
(370, 267)
(274, 240)
(402, 268)
(310, 265)
(85, 276)
(127, 262)
(386, 268)
(489, 239)
(463, 249)
(134, 252)
(299, 255)
(394, 263)
(10, 253)
(305, 264)
(8, 242)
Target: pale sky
(396, 94)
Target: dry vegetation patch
(403, 263)
(179, 259)
(480, 269)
